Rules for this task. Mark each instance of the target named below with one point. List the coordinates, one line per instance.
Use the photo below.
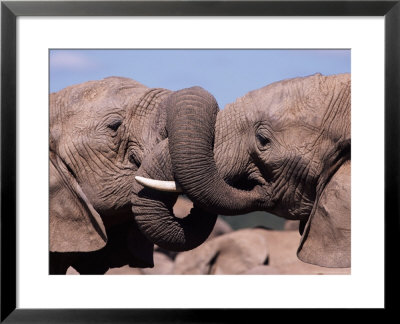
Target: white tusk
(170, 186)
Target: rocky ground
(249, 251)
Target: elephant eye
(134, 160)
(262, 140)
(115, 125)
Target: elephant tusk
(170, 186)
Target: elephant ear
(75, 226)
(326, 240)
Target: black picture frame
(10, 10)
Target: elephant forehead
(302, 101)
(95, 96)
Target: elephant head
(103, 134)
(276, 149)
(96, 146)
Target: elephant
(284, 148)
(99, 134)
(275, 149)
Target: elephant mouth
(281, 205)
(246, 184)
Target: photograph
(199, 161)
(190, 161)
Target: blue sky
(227, 74)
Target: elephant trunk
(153, 209)
(187, 156)
(191, 122)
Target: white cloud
(70, 60)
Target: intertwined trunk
(191, 128)
(153, 209)
(187, 156)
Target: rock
(221, 227)
(182, 206)
(231, 253)
(125, 270)
(72, 271)
(263, 270)
(162, 265)
(291, 225)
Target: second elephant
(276, 149)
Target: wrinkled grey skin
(100, 131)
(275, 149)
(292, 139)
